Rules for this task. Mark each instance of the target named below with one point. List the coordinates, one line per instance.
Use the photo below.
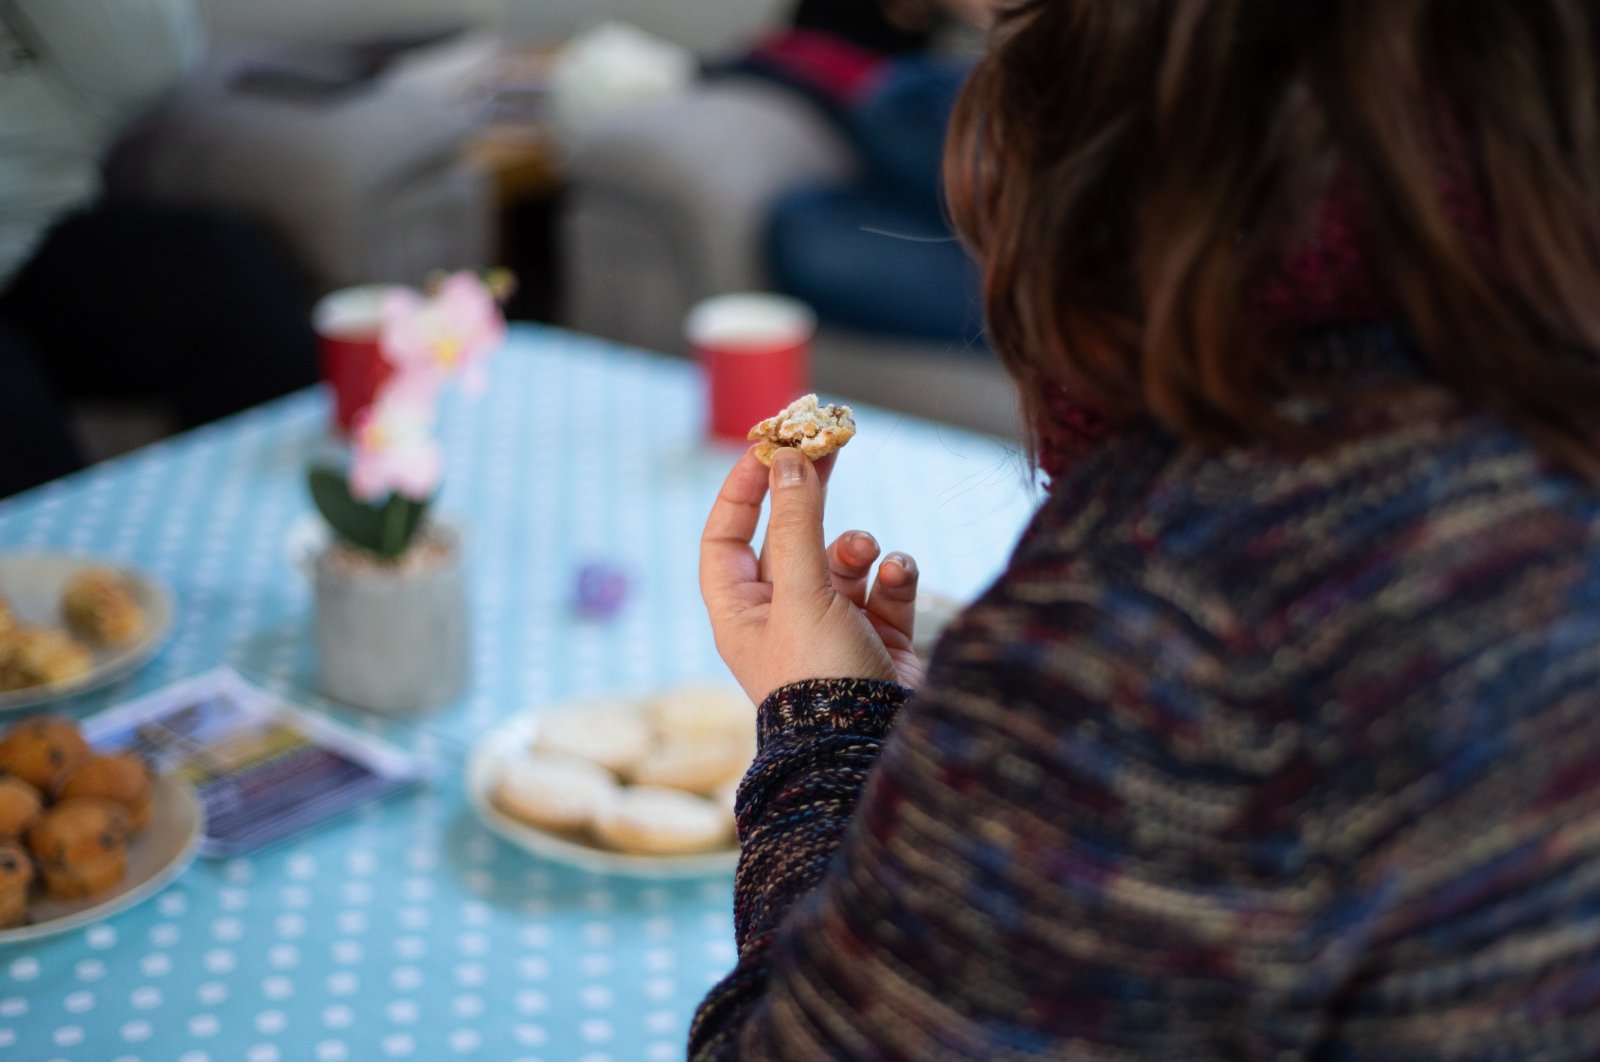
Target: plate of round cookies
(641, 786)
(82, 834)
(69, 625)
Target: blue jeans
(877, 254)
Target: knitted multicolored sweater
(1244, 756)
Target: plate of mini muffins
(82, 834)
(69, 625)
(641, 786)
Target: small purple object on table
(602, 591)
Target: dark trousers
(193, 308)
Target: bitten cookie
(815, 430)
(647, 820)
(550, 792)
(614, 736)
(16, 874)
(100, 607)
(122, 779)
(20, 807)
(37, 749)
(81, 846)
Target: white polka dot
(535, 936)
(136, 1031)
(238, 871)
(68, 1036)
(661, 1021)
(661, 1051)
(277, 987)
(471, 974)
(659, 959)
(596, 965)
(403, 1011)
(532, 1001)
(164, 935)
(475, 913)
(596, 1056)
(421, 860)
(212, 993)
(295, 896)
(535, 966)
(596, 934)
(219, 960)
(13, 1007)
(262, 1053)
(194, 1056)
(479, 881)
(283, 956)
(352, 922)
(233, 899)
(156, 964)
(271, 1022)
(338, 1016)
(146, 997)
(101, 937)
(361, 862)
(347, 952)
(398, 1045)
(473, 944)
(343, 983)
(598, 997)
(659, 987)
(126, 1058)
(90, 970)
(79, 1002)
(7, 1037)
(173, 904)
(416, 890)
(467, 1006)
(203, 1025)
(227, 930)
(357, 892)
(465, 1041)
(290, 925)
(595, 1030)
(720, 951)
(414, 918)
(332, 1051)
(410, 947)
(301, 866)
(406, 978)
(529, 1035)
(24, 969)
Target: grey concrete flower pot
(393, 638)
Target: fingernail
(905, 562)
(861, 543)
(789, 466)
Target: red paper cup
(756, 350)
(347, 322)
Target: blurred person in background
(1276, 739)
(875, 253)
(111, 299)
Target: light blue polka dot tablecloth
(406, 930)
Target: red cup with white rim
(756, 351)
(348, 323)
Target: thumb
(795, 553)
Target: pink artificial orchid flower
(395, 448)
(452, 332)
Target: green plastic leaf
(354, 521)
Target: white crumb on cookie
(815, 430)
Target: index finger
(726, 557)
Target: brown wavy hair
(1132, 173)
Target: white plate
(32, 583)
(162, 851)
(483, 770)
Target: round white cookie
(553, 792)
(613, 735)
(699, 764)
(702, 710)
(649, 820)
